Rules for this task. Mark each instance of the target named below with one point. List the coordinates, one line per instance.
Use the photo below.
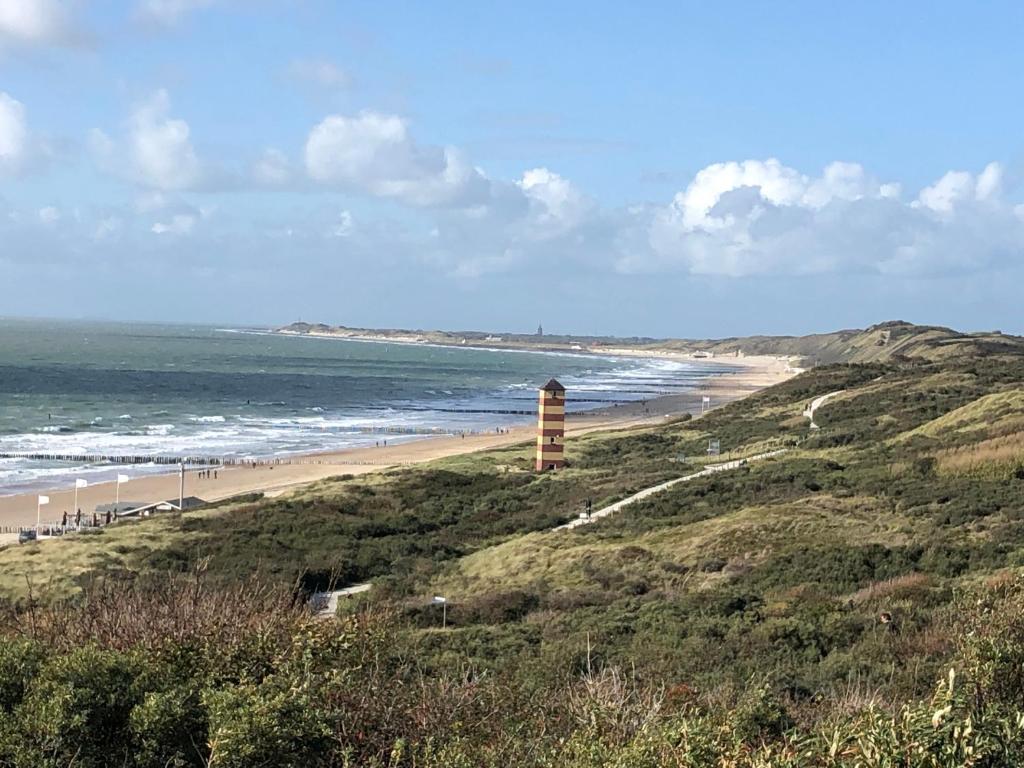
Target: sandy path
(20, 510)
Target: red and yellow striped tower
(551, 427)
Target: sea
(103, 389)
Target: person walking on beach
(78, 518)
(64, 520)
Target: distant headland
(877, 342)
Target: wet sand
(752, 374)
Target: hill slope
(786, 593)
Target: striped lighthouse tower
(551, 427)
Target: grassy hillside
(730, 620)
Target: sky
(662, 169)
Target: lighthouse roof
(553, 386)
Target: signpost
(443, 602)
(714, 447)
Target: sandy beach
(752, 374)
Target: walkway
(709, 470)
(325, 604)
(817, 402)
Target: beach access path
(817, 402)
(711, 469)
(325, 604)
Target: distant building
(540, 329)
(551, 427)
(143, 509)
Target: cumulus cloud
(179, 224)
(35, 22)
(13, 134)
(320, 72)
(557, 206)
(374, 153)
(167, 13)
(761, 217)
(156, 151)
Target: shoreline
(19, 510)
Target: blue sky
(663, 168)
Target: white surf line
(817, 402)
(710, 470)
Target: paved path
(817, 402)
(325, 604)
(709, 470)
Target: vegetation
(857, 600)
(175, 673)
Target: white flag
(81, 483)
(122, 479)
(44, 500)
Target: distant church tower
(540, 332)
(551, 427)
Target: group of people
(205, 473)
(107, 518)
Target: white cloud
(167, 13)
(761, 217)
(180, 224)
(161, 147)
(959, 187)
(13, 134)
(35, 22)
(557, 206)
(157, 151)
(273, 168)
(344, 226)
(374, 153)
(320, 72)
(49, 215)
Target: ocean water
(169, 390)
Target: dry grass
(1000, 454)
(891, 588)
(150, 613)
(743, 538)
(994, 411)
